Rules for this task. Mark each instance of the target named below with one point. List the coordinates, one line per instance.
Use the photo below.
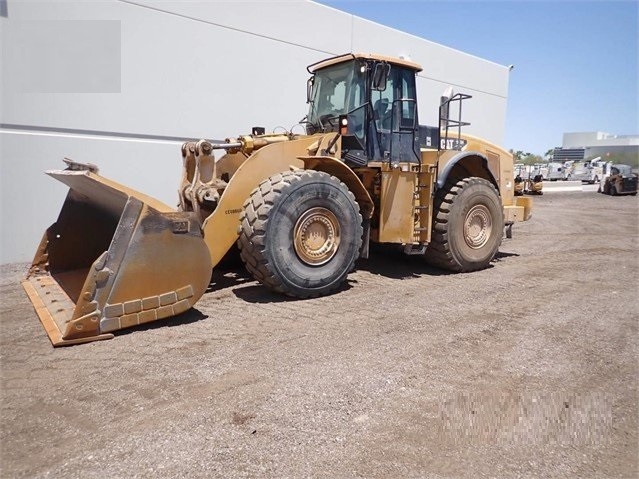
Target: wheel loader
(535, 185)
(301, 208)
(620, 181)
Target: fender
(462, 155)
(335, 167)
(221, 227)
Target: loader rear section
(115, 258)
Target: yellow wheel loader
(302, 208)
(535, 185)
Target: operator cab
(372, 101)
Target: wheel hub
(478, 226)
(316, 236)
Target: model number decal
(181, 226)
(233, 211)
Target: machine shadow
(224, 277)
(260, 294)
(390, 262)
(501, 255)
(193, 315)
(386, 261)
(383, 261)
(235, 277)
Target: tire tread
(439, 252)
(254, 223)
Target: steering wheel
(328, 118)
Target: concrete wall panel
(122, 83)
(31, 200)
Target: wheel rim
(478, 226)
(316, 236)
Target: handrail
(446, 122)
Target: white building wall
(598, 139)
(186, 70)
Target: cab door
(395, 117)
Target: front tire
(468, 226)
(301, 233)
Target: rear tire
(613, 190)
(468, 226)
(301, 233)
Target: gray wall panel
(31, 200)
(186, 70)
(306, 24)
(180, 77)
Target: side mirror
(380, 76)
(309, 89)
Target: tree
(525, 157)
(531, 159)
(549, 154)
(518, 156)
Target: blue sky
(575, 61)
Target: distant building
(568, 154)
(589, 145)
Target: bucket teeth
(140, 311)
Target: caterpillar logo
(452, 143)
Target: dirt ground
(526, 369)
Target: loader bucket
(114, 258)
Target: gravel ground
(526, 369)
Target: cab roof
(363, 56)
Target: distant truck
(589, 171)
(597, 170)
(556, 171)
(580, 171)
(520, 170)
(538, 169)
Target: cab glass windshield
(337, 90)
